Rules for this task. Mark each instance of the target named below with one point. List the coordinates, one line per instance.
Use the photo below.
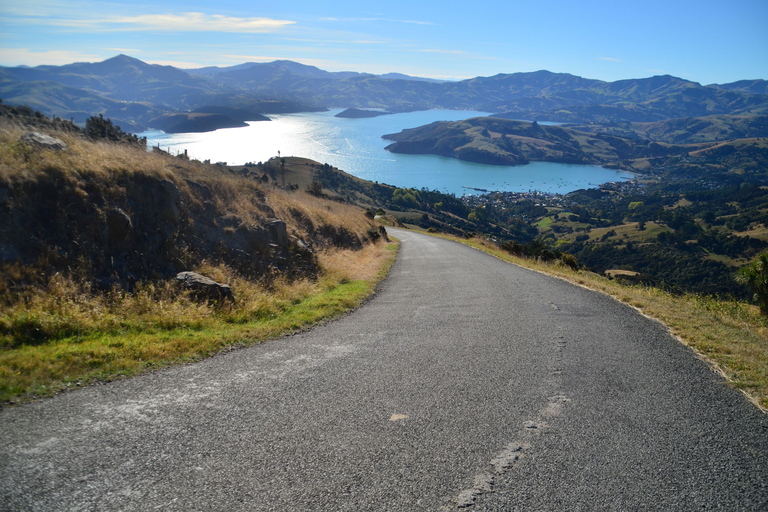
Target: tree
(315, 188)
(408, 197)
(755, 276)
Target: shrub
(755, 276)
(547, 255)
(373, 234)
(315, 188)
(570, 260)
(512, 247)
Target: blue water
(356, 146)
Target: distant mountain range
(138, 95)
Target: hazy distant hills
(300, 70)
(753, 86)
(134, 93)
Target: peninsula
(356, 113)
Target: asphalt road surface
(465, 383)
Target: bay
(356, 146)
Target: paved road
(466, 382)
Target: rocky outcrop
(278, 232)
(119, 226)
(205, 288)
(146, 227)
(43, 141)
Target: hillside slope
(119, 214)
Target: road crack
(510, 455)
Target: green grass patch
(545, 223)
(630, 232)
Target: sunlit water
(356, 146)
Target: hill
(688, 130)
(122, 215)
(132, 92)
(497, 141)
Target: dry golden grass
(319, 210)
(731, 336)
(616, 272)
(362, 265)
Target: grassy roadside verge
(731, 336)
(104, 338)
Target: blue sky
(704, 40)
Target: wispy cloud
(184, 22)
(19, 56)
(610, 59)
(388, 20)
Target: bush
(512, 247)
(570, 261)
(373, 234)
(547, 255)
(755, 276)
(315, 188)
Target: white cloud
(26, 57)
(185, 22)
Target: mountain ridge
(133, 92)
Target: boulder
(278, 232)
(173, 192)
(205, 288)
(41, 140)
(266, 209)
(170, 209)
(119, 225)
(201, 190)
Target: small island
(356, 113)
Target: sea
(356, 146)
